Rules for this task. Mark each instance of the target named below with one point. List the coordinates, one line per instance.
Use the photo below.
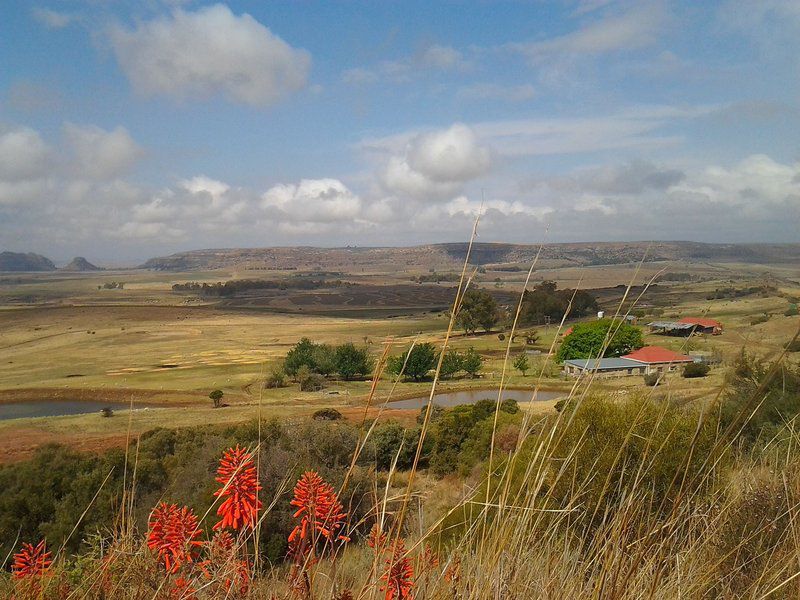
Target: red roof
(701, 322)
(657, 354)
(567, 332)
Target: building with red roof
(657, 359)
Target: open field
(65, 336)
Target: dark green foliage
(696, 369)
(451, 364)
(216, 397)
(302, 355)
(352, 362)
(587, 339)
(793, 346)
(436, 413)
(791, 311)
(773, 390)
(324, 359)
(418, 360)
(478, 310)
(471, 362)
(757, 320)
(546, 301)
(391, 439)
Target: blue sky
(129, 129)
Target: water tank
(600, 314)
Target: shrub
(311, 382)
(326, 414)
(107, 412)
(760, 319)
(391, 440)
(696, 369)
(276, 379)
(521, 363)
(791, 311)
(651, 379)
(793, 346)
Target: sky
(131, 129)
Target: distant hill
(449, 256)
(80, 264)
(19, 261)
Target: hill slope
(20, 261)
(443, 256)
(80, 264)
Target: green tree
(418, 360)
(452, 363)
(478, 309)
(472, 362)
(324, 359)
(521, 363)
(587, 339)
(352, 362)
(302, 354)
(216, 397)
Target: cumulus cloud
(101, 154)
(207, 52)
(313, 200)
(23, 154)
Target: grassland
(67, 337)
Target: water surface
(55, 408)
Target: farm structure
(686, 326)
(650, 359)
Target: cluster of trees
(112, 285)
(479, 310)
(435, 277)
(732, 292)
(234, 287)
(347, 361)
(589, 338)
(416, 362)
(546, 301)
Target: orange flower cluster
(240, 488)
(182, 590)
(172, 535)
(319, 510)
(399, 576)
(31, 561)
(376, 539)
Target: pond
(472, 396)
(50, 408)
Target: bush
(106, 412)
(696, 369)
(760, 319)
(793, 346)
(311, 382)
(791, 311)
(651, 379)
(276, 379)
(326, 414)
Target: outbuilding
(656, 359)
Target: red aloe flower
(376, 539)
(399, 575)
(182, 590)
(240, 488)
(172, 535)
(31, 561)
(319, 510)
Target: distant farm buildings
(650, 359)
(686, 326)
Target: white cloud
(435, 164)
(313, 200)
(23, 154)
(445, 58)
(635, 29)
(433, 58)
(53, 19)
(101, 154)
(210, 51)
(493, 91)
